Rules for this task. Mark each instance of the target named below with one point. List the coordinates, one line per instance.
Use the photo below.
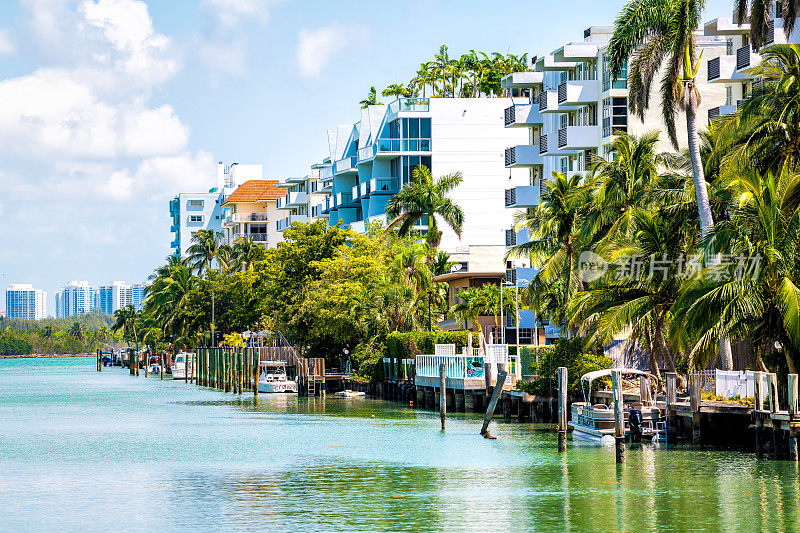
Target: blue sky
(110, 107)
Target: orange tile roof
(256, 191)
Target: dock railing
(456, 366)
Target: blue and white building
(193, 211)
(23, 301)
(119, 295)
(76, 298)
(374, 158)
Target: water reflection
(111, 451)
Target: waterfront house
(251, 211)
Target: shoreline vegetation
(46, 355)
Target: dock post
(773, 393)
(487, 376)
(443, 393)
(562, 409)
(496, 392)
(619, 415)
(644, 389)
(255, 356)
(672, 398)
(98, 361)
(791, 395)
(694, 404)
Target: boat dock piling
(442, 393)
(619, 418)
(562, 409)
(497, 390)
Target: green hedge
(408, 345)
(530, 354)
(570, 354)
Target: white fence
(727, 383)
(456, 366)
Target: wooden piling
(644, 389)
(672, 390)
(487, 376)
(256, 371)
(442, 393)
(619, 415)
(791, 395)
(694, 404)
(498, 390)
(773, 393)
(562, 409)
(98, 361)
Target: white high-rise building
(374, 158)
(76, 298)
(570, 108)
(23, 301)
(119, 295)
(733, 69)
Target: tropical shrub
(367, 358)
(568, 353)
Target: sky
(108, 108)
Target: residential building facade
(251, 211)
(76, 298)
(733, 69)
(305, 197)
(192, 212)
(374, 158)
(119, 295)
(23, 301)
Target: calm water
(86, 451)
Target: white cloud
(316, 47)
(7, 47)
(222, 56)
(230, 12)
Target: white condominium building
(192, 212)
(77, 298)
(119, 295)
(23, 301)
(732, 70)
(375, 157)
(305, 197)
(570, 108)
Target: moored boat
(183, 361)
(596, 421)
(273, 378)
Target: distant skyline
(111, 107)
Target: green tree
(757, 13)
(246, 253)
(397, 90)
(204, 250)
(371, 99)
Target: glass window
(196, 203)
(196, 219)
(425, 128)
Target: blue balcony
(346, 165)
(344, 199)
(384, 185)
(394, 146)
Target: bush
(408, 345)
(13, 345)
(530, 354)
(570, 354)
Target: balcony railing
(511, 197)
(344, 199)
(367, 152)
(713, 69)
(562, 137)
(543, 144)
(247, 217)
(511, 155)
(770, 32)
(317, 210)
(713, 113)
(257, 237)
(455, 366)
(562, 93)
(543, 102)
(326, 173)
(407, 104)
(743, 57)
(510, 115)
(364, 189)
(384, 185)
(511, 237)
(346, 164)
(404, 145)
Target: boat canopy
(591, 376)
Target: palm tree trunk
(703, 205)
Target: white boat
(274, 379)
(350, 394)
(179, 368)
(596, 422)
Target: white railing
(456, 366)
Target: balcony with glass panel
(393, 147)
(287, 222)
(384, 185)
(346, 165)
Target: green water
(86, 451)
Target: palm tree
(397, 90)
(768, 125)
(762, 303)
(426, 197)
(168, 297)
(440, 66)
(205, 250)
(556, 241)
(371, 99)
(442, 264)
(245, 253)
(622, 184)
(759, 15)
(125, 320)
(652, 33)
(76, 332)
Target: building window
(196, 204)
(728, 95)
(195, 219)
(615, 115)
(619, 83)
(729, 47)
(410, 162)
